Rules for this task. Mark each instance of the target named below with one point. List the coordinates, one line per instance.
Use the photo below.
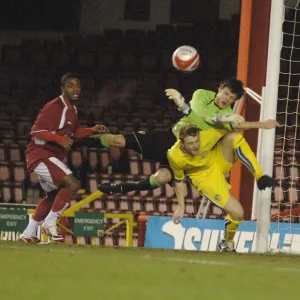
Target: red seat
(157, 192)
(146, 167)
(123, 204)
(93, 158)
(149, 205)
(6, 192)
(189, 207)
(109, 240)
(33, 178)
(18, 190)
(76, 158)
(93, 183)
(278, 194)
(98, 204)
(14, 152)
(33, 195)
(4, 171)
(104, 158)
(110, 203)
(122, 239)
(19, 172)
(134, 166)
(162, 206)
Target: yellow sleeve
(209, 138)
(176, 168)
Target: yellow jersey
(184, 164)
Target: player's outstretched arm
(178, 99)
(267, 124)
(185, 108)
(84, 132)
(179, 212)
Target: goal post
(262, 203)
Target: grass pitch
(82, 272)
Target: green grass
(82, 272)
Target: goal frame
(261, 202)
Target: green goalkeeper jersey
(203, 109)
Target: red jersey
(59, 117)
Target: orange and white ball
(186, 58)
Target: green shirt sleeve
(193, 116)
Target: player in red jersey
(52, 136)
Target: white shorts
(51, 171)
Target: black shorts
(151, 145)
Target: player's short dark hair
(235, 85)
(68, 76)
(188, 130)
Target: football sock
(31, 229)
(61, 202)
(246, 156)
(42, 209)
(231, 227)
(148, 184)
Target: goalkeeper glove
(229, 118)
(174, 95)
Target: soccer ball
(185, 58)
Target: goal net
(285, 206)
(278, 212)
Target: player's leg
(55, 175)
(129, 141)
(41, 211)
(215, 187)
(160, 177)
(68, 188)
(107, 140)
(234, 144)
(235, 216)
(104, 140)
(151, 145)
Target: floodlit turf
(82, 272)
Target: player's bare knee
(71, 183)
(120, 140)
(238, 214)
(229, 138)
(114, 140)
(163, 176)
(234, 208)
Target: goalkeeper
(206, 110)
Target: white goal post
(266, 141)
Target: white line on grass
(218, 263)
(48, 249)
